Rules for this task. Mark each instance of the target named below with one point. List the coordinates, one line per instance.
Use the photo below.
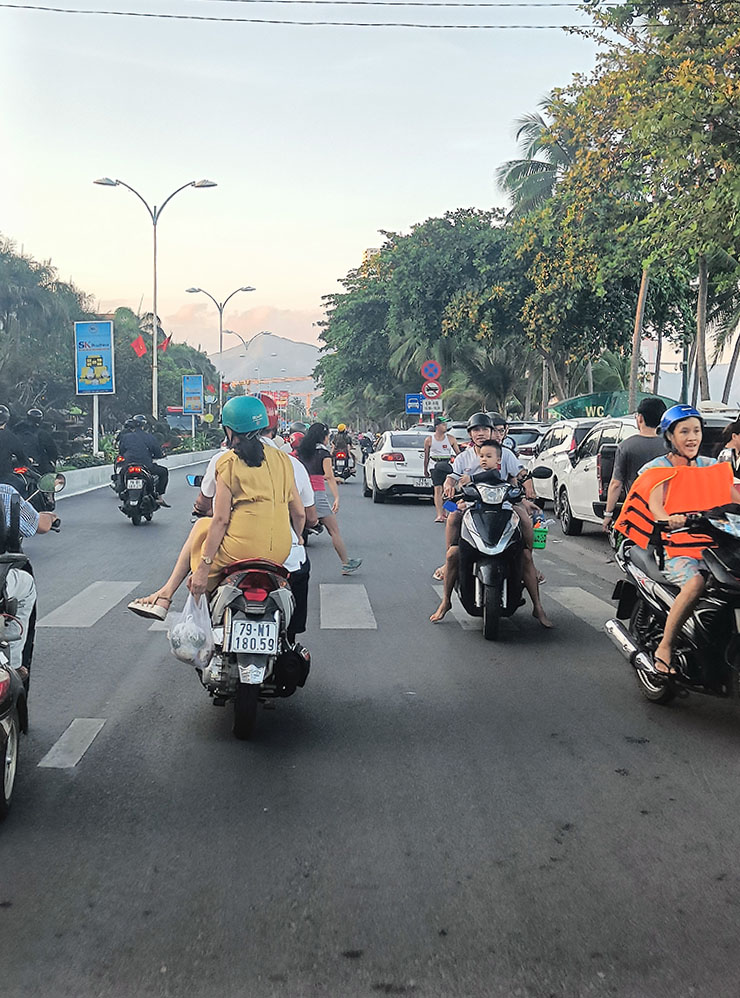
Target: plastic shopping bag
(191, 634)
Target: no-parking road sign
(431, 389)
(430, 370)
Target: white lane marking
(88, 606)
(458, 612)
(346, 606)
(583, 604)
(161, 625)
(67, 751)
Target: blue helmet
(245, 414)
(676, 414)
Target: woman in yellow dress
(255, 501)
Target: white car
(396, 466)
(553, 451)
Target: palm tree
(531, 180)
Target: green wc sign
(598, 404)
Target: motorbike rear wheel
(136, 519)
(245, 711)
(654, 690)
(9, 764)
(491, 611)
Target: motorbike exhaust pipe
(624, 641)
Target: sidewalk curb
(89, 479)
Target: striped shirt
(29, 519)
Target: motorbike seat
(255, 564)
(644, 559)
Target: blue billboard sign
(94, 359)
(192, 394)
(413, 404)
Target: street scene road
(432, 815)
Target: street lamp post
(154, 214)
(221, 305)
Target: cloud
(197, 323)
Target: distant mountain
(270, 361)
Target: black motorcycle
(137, 490)
(343, 465)
(490, 583)
(707, 654)
(40, 490)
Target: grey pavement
(433, 815)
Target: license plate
(259, 637)
(135, 483)
(252, 674)
(424, 481)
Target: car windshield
(409, 441)
(524, 436)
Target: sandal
(668, 671)
(438, 575)
(151, 610)
(439, 519)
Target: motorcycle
(253, 660)
(490, 583)
(366, 448)
(39, 490)
(136, 489)
(342, 465)
(707, 654)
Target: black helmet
(35, 416)
(4, 414)
(479, 419)
(140, 420)
(297, 427)
(131, 424)
(497, 419)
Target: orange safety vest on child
(687, 490)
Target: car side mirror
(541, 472)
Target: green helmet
(244, 414)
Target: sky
(318, 137)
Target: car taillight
(393, 456)
(598, 473)
(4, 683)
(573, 444)
(20, 471)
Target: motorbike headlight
(493, 495)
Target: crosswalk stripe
(88, 606)
(346, 606)
(458, 612)
(585, 605)
(67, 751)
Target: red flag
(165, 343)
(139, 346)
(225, 386)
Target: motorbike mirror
(59, 482)
(541, 472)
(194, 480)
(46, 483)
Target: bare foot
(543, 618)
(160, 594)
(444, 607)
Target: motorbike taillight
(135, 469)
(255, 586)
(340, 453)
(20, 471)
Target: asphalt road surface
(432, 816)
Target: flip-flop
(439, 519)
(438, 575)
(151, 610)
(668, 671)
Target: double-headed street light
(220, 305)
(154, 213)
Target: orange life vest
(687, 490)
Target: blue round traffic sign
(430, 370)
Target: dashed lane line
(346, 606)
(458, 612)
(88, 606)
(67, 751)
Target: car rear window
(524, 436)
(409, 441)
(580, 432)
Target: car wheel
(571, 526)
(378, 494)
(366, 490)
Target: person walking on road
(634, 452)
(440, 448)
(314, 454)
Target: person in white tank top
(440, 448)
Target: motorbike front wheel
(491, 611)
(245, 710)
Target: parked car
(526, 436)
(396, 466)
(553, 451)
(582, 487)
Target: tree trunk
(589, 377)
(545, 390)
(731, 369)
(637, 339)
(701, 329)
(554, 376)
(658, 355)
